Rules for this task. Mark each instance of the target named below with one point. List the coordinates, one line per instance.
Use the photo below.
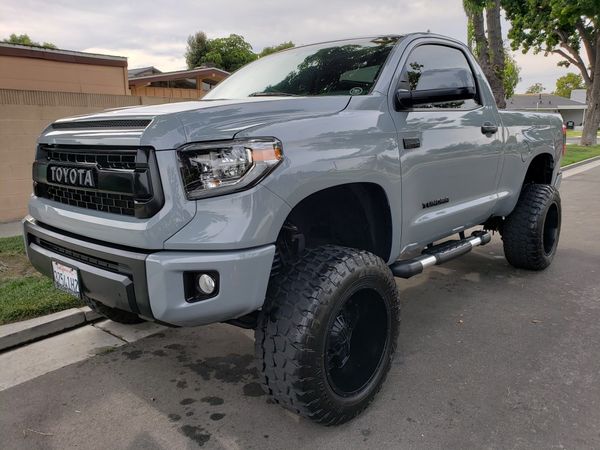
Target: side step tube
(439, 254)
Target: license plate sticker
(66, 278)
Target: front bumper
(150, 284)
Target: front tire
(327, 333)
(530, 233)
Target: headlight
(217, 168)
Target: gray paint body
(327, 141)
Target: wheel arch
(540, 169)
(356, 215)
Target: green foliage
(511, 76)
(536, 88)
(229, 53)
(568, 82)
(24, 39)
(197, 47)
(557, 26)
(276, 48)
(576, 153)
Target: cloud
(155, 33)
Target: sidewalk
(38, 358)
(10, 229)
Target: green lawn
(24, 293)
(576, 153)
(574, 133)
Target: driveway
(489, 357)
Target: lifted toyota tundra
(289, 198)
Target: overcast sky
(154, 32)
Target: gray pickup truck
(289, 198)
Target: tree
(197, 48)
(24, 39)
(229, 53)
(276, 48)
(535, 88)
(568, 82)
(511, 75)
(566, 28)
(487, 45)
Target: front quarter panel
(356, 145)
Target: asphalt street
(488, 357)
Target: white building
(571, 110)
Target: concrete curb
(19, 333)
(581, 163)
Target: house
(569, 109)
(53, 70)
(188, 84)
(142, 72)
(579, 95)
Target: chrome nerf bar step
(439, 254)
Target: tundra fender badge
(439, 201)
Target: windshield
(333, 68)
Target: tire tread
(285, 330)
(521, 233)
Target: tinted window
(333, 68)
(429, 66)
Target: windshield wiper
(272, 94)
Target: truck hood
(171, 125)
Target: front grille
(126, 183)
(106, 160)
(97, 201)
(92, 261)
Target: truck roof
(380, 36)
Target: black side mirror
(406, 98)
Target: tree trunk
(481, 43)
(592, 113)
(496, 52)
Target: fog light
(206, 284)
(200, 285)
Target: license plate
(66, 278)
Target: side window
(428, 67)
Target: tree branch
(580, 66)
(575, 57)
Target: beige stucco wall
(23, 115)
(45, 75)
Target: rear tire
(114, 314)
(531, 232)
(327, 333)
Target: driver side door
(450, 151)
